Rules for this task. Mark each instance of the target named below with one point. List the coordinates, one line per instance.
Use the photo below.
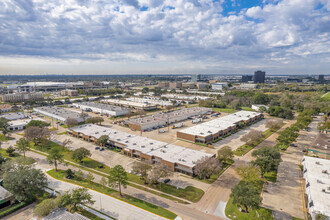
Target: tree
(80, 153)
(103, 140)
(267, 159)
(118, 177)
(79, 175)
(103, 182)
(71, 122)
(72, 199)
(95, 120)
(249, 173)
(37, 123)
(206, 167)
(142, 169)
(260, 98)
(274, 124)
(159, 171)
(45, 207)
(22, 145)
(4, 125)
(90, 177)
(55, 157)
(23, 181)
(69, 174)
(66, 143)
(10, 151)
(225, 154)
(245, 196)
(252, 137)
(145, 90)
(36, 134)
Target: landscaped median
(61, 175)
(190, 193)
(246, 148)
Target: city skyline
(165, 37)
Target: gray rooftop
(4, 193)
(168, 152)
(102, 106)
(63, 214)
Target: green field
(326, 97)
(246, 108)
(225, 110)
(60, 175)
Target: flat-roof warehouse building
(131, 104)
(60, 114)
(161, 119)
(212, 130)
(178, 158)
(316, 173)
(102, 108)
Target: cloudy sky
(164, 36)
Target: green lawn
(4, 154)
(190, 193)
(225, 110)
(271, 176)
(326, 97)
(247, 108)
(106, 190)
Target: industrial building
(209, 131)
(151, 100)
(60, 114)
(5, 108)
(69, 92)
(106, 109)
(21, 97)
(130, 104)
(162, 119)
(186, 97)
(316, 173)
(14, 116)
(219, 86)
(19, 124)
(177, 158)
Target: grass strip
(190, 193)
(60, 175)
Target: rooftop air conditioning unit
(324, 171)
(317, 162)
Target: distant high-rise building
(321, 77)
(259, 76)
(196, 78)
(246, 78)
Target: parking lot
(107, 157)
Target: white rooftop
(128, 103)
(14, 115)
(19, 122)
(168, 152)
(212, 127)
(317, 175)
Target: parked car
(97, 148)
(101, 149)
(167, 180)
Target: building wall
(185, 136)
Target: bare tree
(35, 133)
(252, 137)
(206, 167)
(159, 171)
(71, 122)
(274, 124)
(142, 169)
(66, 143)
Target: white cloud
(181, 32)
